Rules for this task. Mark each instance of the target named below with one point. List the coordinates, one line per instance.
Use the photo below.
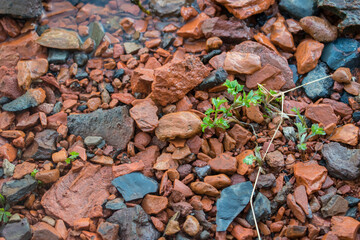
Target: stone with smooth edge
(60, 39)
(16, 230)
(307, 54)
(242, 63)
(320, 29)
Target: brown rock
(342, 75)
(178, 125)
(61, 228)
(352, 88)
(144, 114)
(165, 162)
(126, 98)
(10, 26)
(43, 231)
(48, 176)
(275, 159)
(218, 181)
(191, 226)
(8, 83)
(307, 55)
(141, 80)
(154, 204)
(103, 160)
(293, 231)
(229, 143)
(339, 107)
(60, 39)
(295, 209)
(301, 198)
(241, 233)
(321, 113)
(79, 196)
(204, 188)
(59, 156)
(345, 228)
(264, 40)
(293, 25)
(93, 104)
(213, 43)
(7, 151)
(311, 175)
(240, 134)
(319, 28)
(23, 169)
(127, 168)
(82, 224)
(142, 139)
(176, 78)
(29, 70)
(108, 231)
(192, 29)
(148, 157)
(243, 168)
(241, 63)
(6, 119)
(347, 134)
(269, 76)
(245, 9)
(281, 37)
(224, 163)
(188, 12)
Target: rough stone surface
(108, 231)
(307, 55)
(299, 9)
(320, 89)
(167, 8)
(134, 224)
(32, 98)
(30, 70)
(342, 162)
(144, 114)
(59, 39)
(345, 227)
(311, 175)
(320, 29)
(115, 126)
(242, 63)
(232, 201)
(337, 205)
(322, 114)
(14, 190)
(224, 163)
(262, 209)
(20, 8)
(16, 230)
(43, 231)
(281, 36)
(74, 195)
(347, 134)
(43, 146)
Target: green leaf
(209, 111)
(249, 159)
(68, 160)
(74, 154)
(302, 146)
(316, 130)
(34, 172)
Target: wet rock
(215, 78)
(178, 125)
(212, 55)
(353, 201)
(268, 56)
(115, 204)
(240, 135)
(23, 169)
(59, 39)
(191, 226)
(345, 227)
(311, 175)
(141, 80)
(347, 11)
(57, 56)
(242, 63)
(153, 204)
(134, 185)
(275, 159)
(21, 9)
(246, 9)
(202, 172)
(301, 199)
(192, 29)
(294, 231)
(232, 201)
(281, 36)
(81, 59)
(230, 31)
(320, 89)
(30, 70)
(204, 188)
(299, 9)
(340, 108)
(144, 114)
(342, 162)
(347, 134)
(43, 231)
(48, 176)
(16, 231)
(131, 47)
(43, 146)
(32, 98)
(108, 124)
(134, 224)
(176, 78)
(341, 53)
(320, 29)
(266, 180)
(218, 181)
(15, 190)
(7, 151)
(108, 231)
(223, 163)
(337, 205)
(167, 8)
(92, 141)
(75, 191)
(307, 55)
(96, 33)
(9, 86)
(322, 114)
(295, 209)
(262, 209)
(268, 75)
(240, 232)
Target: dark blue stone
(205, 59)
(115, 204)
(23, 102)
(295, 73)
(15, 190)
(262, 209)
(41, 29)
(352, 212)
(353, 201)
(57, 56)
(81, 59)
(134, 185)
(109, 88)
(16, 230)
(345, 97)
(81, 74)
(320, 89)
(341, 53)
(202, 171)
(299, 8)
(82, 107)
(356, 116)
(167, 40)
(4, 100)
(119, 73)
(215, 78)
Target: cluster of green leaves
(72, 157)
(250, 159)
(302, 134)
(4, 213)
(33, 174)
(218, 116)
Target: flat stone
(342, 162)
(192, 29)
(337, 205)
(299, 9)
(60, 39)
(32, 98)
(115, 204)
(144, 114)
(57, 56)
(241, 63)
(29, 70)
(153, 204)
(115, 126)
(347, 134)
(319, 28)
(16, 231)
(262, 209)
(96, 33)
(131, 47)
(167, 8)
(345, 227)
(134, 224)
(19, 8)
(224, 163)
(92, 141)
(23, 169)
(134, 185)
(322, 114)
(232, 201)
(15, 190)
(295, 209)
(44, 145)
(311, 175)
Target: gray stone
(108, 230)
(8, 168)
(202, 172)
(262, 209)
(115, 204)
(166, 8)
(96, 33)
(57, 56)
(232, 201)
(21, 103)
(353, 201)
(204, 235)
(337, 205)
(14, 190)
(215, 78)
(200, 215)
(44, 145)
(329, 193)
(289, 133)
(81, 59)
(352, 212)
(115, 126)
(92, 141)
(131, 47)
(280, 197)
(21, 8)
(266, 180)
(16, 231)
(15, 218)
(299, 8)
(342, 162)
(134, 185)
(320, 89)
(134, 224)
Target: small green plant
(220, 115)
(302, 133)
(250, 159)
(4, 213)
(72, 157)
(34, 172)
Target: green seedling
(4, 213)
(33, 174)
(250, 159)
(302, 134)
(72, 157)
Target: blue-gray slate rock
(115, 204)
(44, 145)
(352, 212)
(57, 56)
(262, 209)
(353, 201)
(81, 59)
(21, 8)
(21, 103)
(299, 8)
(115, 126)
(215, 78)
(295, 73)
(232, 201)
(320, 89)
(14, 190)
(16, 230)
(134, 185)
(342, 162)
(134, 224)
(166, 8)
(356, 116)
(345, 97)
(202, 172)
(96, 33)
(341, 53)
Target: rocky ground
(102, 106)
